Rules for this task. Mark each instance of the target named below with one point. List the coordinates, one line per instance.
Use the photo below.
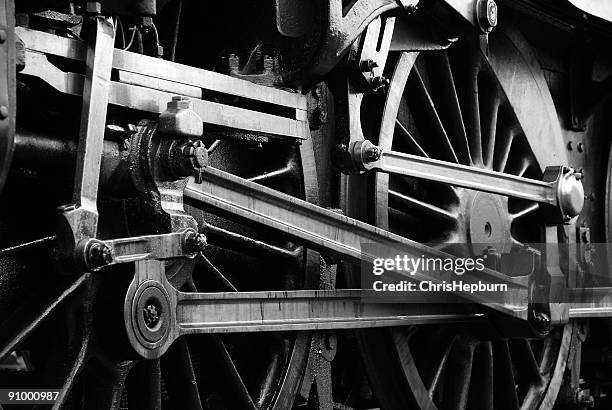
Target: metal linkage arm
(156, 313)
(338, 235)
(564, 192)
(80, 219)
(95, 254)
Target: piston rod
(565, 192)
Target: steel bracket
(95, 254)
(79, 220)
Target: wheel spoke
(210, 268)
(467, 90)
(403, 202)
(527, 211)
(489, 128)
(444, 85)
(518, 167)
(481, 389)
(64, 366)
(144, 385)
(411, 141)
(34, 310)
(457, 378)
(525, 362)
(102, 385)
(502, 149)
(180, 378)
(504, 386)
(278, 354)
(227, 380)
(428, 110)
(431, 354)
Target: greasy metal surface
(162, 69)
(345, 26)
(82, 214)
(162, 246)
(7, 87)
(197, 313)
(465, 176)
(375, 47)
(330, 232)
(176, 79)
(303, 310)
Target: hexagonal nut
(180, 121)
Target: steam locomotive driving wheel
(452, 105)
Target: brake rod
(564, 191)
(337, 235)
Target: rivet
(3, 112)
(2, 36)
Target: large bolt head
(195, 242)
(180, 120)
(98, 255)
(570, 194)
(486, 15)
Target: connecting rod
(337, 235)
(561, 190)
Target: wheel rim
(59, 329)
(451, 106)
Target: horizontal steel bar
(590, 302)
(305, 310)
(163, 69)
(263, 311)
(331, 309)
(151, 94)
(335, 234)
(465, 176)
(153, 100)
(163, 246)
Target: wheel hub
(488, 223)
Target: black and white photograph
(306, 204)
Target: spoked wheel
(451, 105)
(67, 332)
